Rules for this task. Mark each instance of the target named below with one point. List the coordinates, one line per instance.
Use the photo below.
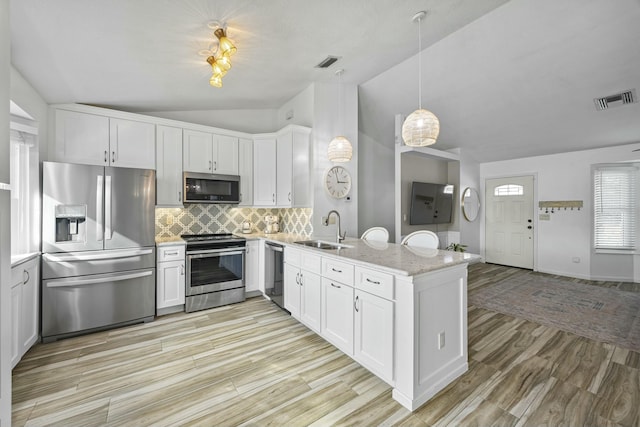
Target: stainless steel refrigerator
(98, 244)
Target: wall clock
(337, 181)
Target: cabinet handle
(209, 164)
(215, 166)
(179, 196)
(336, 286)
(240, 197)
(113, 157)
(273, 197)
(106, 159)
(298, 278)
(337, 271)
(25, 274)
(355, 304)
(171, 253)
(182, 270)
(289, 196)
(373, 281)
(301, 279)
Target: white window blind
(615, 209)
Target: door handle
(65, 283)
(107, 208)
(99, 210)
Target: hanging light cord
(419, 64)
(340, 120)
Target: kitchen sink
(320, 244)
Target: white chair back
(422, 239)
(377, 234)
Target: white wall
(5, 214)
(470, 177)
(250, 121)
(326, 125)
(568, 234)
(26, 97)
(301, 107)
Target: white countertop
(170, 241)
(391, 257)
(22, 258)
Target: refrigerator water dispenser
(70, 223)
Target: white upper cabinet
(225, 155)
(169, 166)
(132, 144)
(284, 168)
(197, 151)
(80, 138)
(208, 153)
(98, 140)
(245, 170)
(264, 171)
(293, 183)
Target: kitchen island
(400, 312)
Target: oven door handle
(212, 253)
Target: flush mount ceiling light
(219, 53)
(340, 149)
(420, 128)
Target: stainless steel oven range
(215, 270)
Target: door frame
(534, 214)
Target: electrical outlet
(544, 217)
(441, 340)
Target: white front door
(509, 221)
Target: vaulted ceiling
(507, 79)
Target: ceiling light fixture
(420, 128)
(340, 149)
(219, 53)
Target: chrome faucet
(340, 237)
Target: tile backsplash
(221, 218)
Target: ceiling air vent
(328, 62)
(627, 97)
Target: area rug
(594, 312)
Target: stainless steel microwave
(210, 188)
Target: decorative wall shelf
(560, 204)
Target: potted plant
(457, 247)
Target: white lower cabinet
(292, 289)
(337, 314)
(170, 291)
(252, 266)
(24, 308)
(303, 287)
(310, 299)
(373, 343)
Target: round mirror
(470, 204)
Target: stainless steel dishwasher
(274, 273)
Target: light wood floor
(251, 364)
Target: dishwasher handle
(274, 247)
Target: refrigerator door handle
(66, 283)
(107, 208)
(84, 256)
(99, 210)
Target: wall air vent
(627, 97)
(328, 62)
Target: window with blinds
(615, 212)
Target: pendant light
(340, 149)
(420, 128)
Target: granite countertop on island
(392, 257)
